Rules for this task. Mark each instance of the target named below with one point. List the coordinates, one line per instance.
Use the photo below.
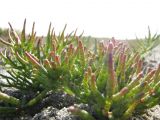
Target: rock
(151, 114)
(63, 114)
(51, 113)
(47, 114)
(57, 100)
(154, 113)
(54, 107)
(18, 93)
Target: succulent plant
(111, 79)
(116, 85)
(45, 64)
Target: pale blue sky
(102, 18)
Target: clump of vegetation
(115, 84)
(111, 79)
(38, 65)
(144, 46)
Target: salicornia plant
(110, 79)
(116, 86)
(42, 64)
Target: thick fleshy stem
(37, 98)
(21, 59)
(17, 39)
(23, 34)
(6, 43)
(101, 49)
(84, 115)
(111, 82)
(122, 69)
(70, 50)
(135, 81)
(32, 60)
(85, 83)
(35, 62)
(132, 107)
(120, 94)
(9, 99)
(81, 52)
(96, 93)
(149, 76)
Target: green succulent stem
(6, 43)
(84, 115)
(107, 106)
(129, 111)
(9, 99)
(39, 97)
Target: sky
(122, 19)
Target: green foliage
(110, 78)
(42, 64)
(118, 87)
(144, 46)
